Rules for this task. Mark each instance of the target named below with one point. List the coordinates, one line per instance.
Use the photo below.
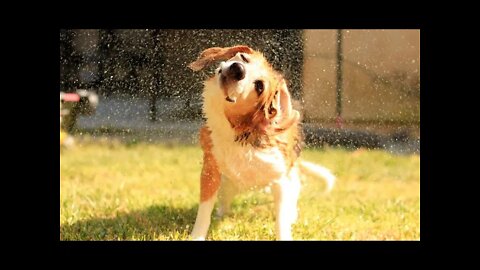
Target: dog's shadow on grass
(155, 222)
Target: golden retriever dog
(251, 138)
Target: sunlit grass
(114, 191)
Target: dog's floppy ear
(280, 113)
(209, 56)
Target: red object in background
(339, 121)
(71, 97)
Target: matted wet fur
(251, 138)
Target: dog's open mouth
(225, 83)
(229, 99)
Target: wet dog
(251, 138)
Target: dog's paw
(197, 238)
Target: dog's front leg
(285, 192)
(209, 184)
(202, 223)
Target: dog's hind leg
(225, 196)
(286, 192)
(209, 184)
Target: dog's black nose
(236, 71)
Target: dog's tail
(319, 171)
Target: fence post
(338, 119)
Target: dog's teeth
(229, 99)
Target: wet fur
(252, 143)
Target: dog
(251, 137)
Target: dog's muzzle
(231, 74)
(235, 72)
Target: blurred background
(131, 110)
(355, 88)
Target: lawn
(116, 191)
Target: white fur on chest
(244, 165)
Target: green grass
(115, 191)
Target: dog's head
(254, 96)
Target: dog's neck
(253, 129)
(246, 130)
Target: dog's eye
(244, 58)
(259, 87)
